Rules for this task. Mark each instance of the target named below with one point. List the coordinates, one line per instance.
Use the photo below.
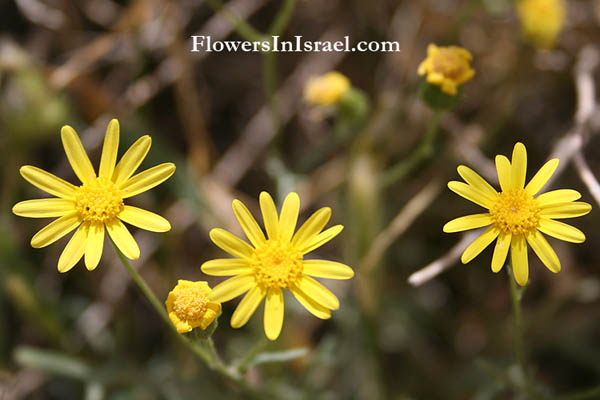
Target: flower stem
(516, 295)
(158, 306)
(249, 357)
(424, 151)
(203, 349)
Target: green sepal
(436, 99)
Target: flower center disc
(277, 264)
(98, 201)
(515, 212)
(191, 304)
(449, 63)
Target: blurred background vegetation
(235, 124)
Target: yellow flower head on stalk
(517, 215)
(189, 306)
(326, 89)
(275, 262)
(98, 203)
(447, 67)
(541, 20)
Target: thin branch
(443, 263)
(399, 225)
(587, 176)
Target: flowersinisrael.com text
(205, 43)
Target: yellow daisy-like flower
(447, 67)
(326, 89)
(189, 306)
(541, 20)
(275, 262)
(517, 215)
(98, 203)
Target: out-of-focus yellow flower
(516, 215)
(189, 306)
(541, 20)
(447, 67)
(98, 204)
(326, 89)
(275, 262)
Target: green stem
(242, 28)
(516, 295)
(204, 348)
(269, 73)
(270, 61)
(157, 304)
(283, 18)
(249, 357)
(424, 151)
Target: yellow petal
(110, 148)
(312, 306)
(209, 316)
(74, 249)
(542, 176)
(321, 239)
(47, 182)
(226, 267)
(273, 319)
(318, 292)
(504, 170)
(144, 219)
(94, 246)
(501, 251)
(312, 227)
(544, 251)
(132, 159)
(147, 179)
(468, 222)
(76, 154)
(480, 244)
(247, 307)
(289, 217)
(557, 196)
(475, 180)
(566, 210)
(43, 208)
(231, 243)
(327, 269)
(248, 223)
(269, 214)
(471, 194)
(561, 231)
(55, 230)
(519, 166)
(232, 287)
(122, 238)
(518, 256)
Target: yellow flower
(326, 89)
(447, 67)
(275, 262)
(541, 20)
(98, 203)
(189, 306)
(516, 215)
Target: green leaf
(279, 356)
